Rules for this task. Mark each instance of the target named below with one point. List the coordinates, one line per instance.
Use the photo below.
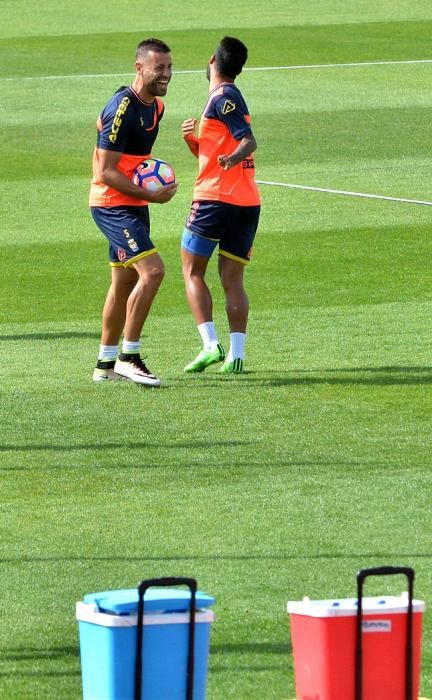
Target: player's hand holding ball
(164, 195)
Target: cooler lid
(348, 606)
(125, 601)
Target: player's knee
(192, 274)
(153, 275)
(232, 284)
(158, 273)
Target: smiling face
(154, 71)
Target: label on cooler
(376, 625)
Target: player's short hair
(230, 56)
(151, 44)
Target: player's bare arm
(188, 133)
(244, 149)
(111, 176)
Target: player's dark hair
(151, 44)
(230, 55)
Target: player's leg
(150, 273)
(235, 251)
(138, 272)
(196, 251)
(123, 280)
(231, 274)
(197, 292)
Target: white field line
(186, 72)
(345, 192)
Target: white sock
(237, 345)
(208, 335)
(107, 352)
(131, 347)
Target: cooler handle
(142, 587)
(384, 571)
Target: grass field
(280, 483)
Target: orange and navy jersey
(224, 122)
(128, 126)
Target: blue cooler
(114, 648)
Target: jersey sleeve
(231, 110)
(113, 125)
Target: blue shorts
(128, 232)
(212, 223)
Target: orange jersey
(128, 126)
(224, 122)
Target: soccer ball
(153, 174)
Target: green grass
(267, 487)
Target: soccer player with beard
(126, 131)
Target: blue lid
(125, 602)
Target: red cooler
(327, 664)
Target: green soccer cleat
(206, 358)
(234, 367)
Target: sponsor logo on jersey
(118, 119)
(249, 163)
(228, 107)
(121, 254)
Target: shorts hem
(140, 256)
(230, 256)
(202, 235)
(131, 261)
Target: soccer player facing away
(225, 208)
(126, 131)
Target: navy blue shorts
(128, 232)
(212, 223)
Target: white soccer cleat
(132, 367)
(104, 371)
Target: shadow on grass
(53, 335)
(29, 653)
(39, 674)
(124, 446)
(313, 464)
(220, 466)
(33, 653)
(252, 648)
(378, 376)
(217, 557)
(217, 653)
(280, 651)
(393, 375)
(36, 654)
